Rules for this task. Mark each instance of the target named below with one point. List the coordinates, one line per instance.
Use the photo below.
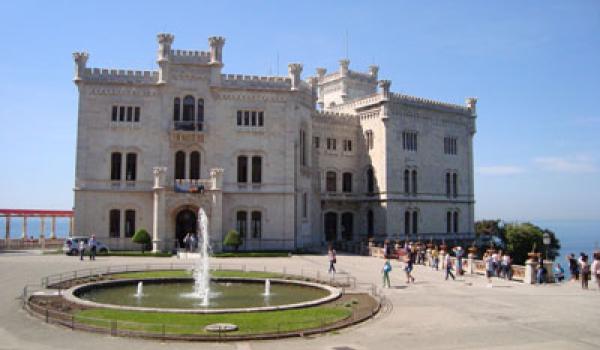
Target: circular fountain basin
(176, 295)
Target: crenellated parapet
(335, 117)
(120, 76)
(262, 82)
(80, 59)
(190, 57)
(428, 103)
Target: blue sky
(533, 65)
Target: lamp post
(546, 240)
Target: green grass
(248, 323)
(184, 273)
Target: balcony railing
(188, 126)
(193, 185)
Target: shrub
(233, 239)
(142, 237)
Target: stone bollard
(530, 271)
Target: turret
(80, 64)
(294, 71)
(165, 41)
(384, 86)
(321, 73)
(216, 49)
(344, 67)
(471, 103)
(373, 71)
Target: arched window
(406, 181)
(176, 108)
(370, 181)
(188, 108)
(347, 182)
(331, 226)
(256, 224)
(200, 119)
(455, 185)
(131, 167)
(455, 222)
(347, 226)
(179, 165)
(129, 222)
(242, 223)
(448, 222)
(331, 181)
(370, 224)
(115, 166)
(414, 182)
(448, 188)
(114, 225)
(242, 169)
(195, 165)
(407, 222)
(415, 222)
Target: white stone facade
(294, 134)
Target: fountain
(140, 290)
(202, 270)
(267, 287)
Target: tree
(142, 237)
(520, 240)
(233, 239)
(490, 228)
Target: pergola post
(53, 228)
(24, 233)
(42, 227)
(7, 232)
(70, 226)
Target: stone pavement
(430, 314)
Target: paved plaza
(430, 314)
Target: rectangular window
(303, 147)
(241, 223)
(256, 169)
(129, 114)
(316, 141)
(304, 205)
(129, 222)
(331, 144)
(407, 223)
(347, 182)
(246, 118)
(114, 115)
(260, 118)
(331, 181)
(115, 166)
(122, 113)
(415, 222)
(450, 145)
(455, 185)
(114, 226)
(253, 118)
(448, 222)
(448, 188)
(242, 168)
(136, 117)
(409, 141)
(455, 226)
(256, 224)
(347, 145)
(131, 167)
(239, 118)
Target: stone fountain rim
(70, 295)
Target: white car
(71, 246)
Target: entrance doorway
(331, 226)
(185, 223)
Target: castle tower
(165, 41)
(80, 64)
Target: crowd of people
(581, 269)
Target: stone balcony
(186, 132)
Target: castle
(288, 163)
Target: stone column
(530, 271)
(216, 210)
(7, 232)
(42, 227)
(24, 233)
(53, 228)
(158, 206)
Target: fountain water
(267, 287)
(202, 269)
(140, 290)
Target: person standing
(489, 267)
(81, 249)
(410, 261)
(585, 271)
(332, 256)
(596, 268)
(573, 267)
(449, 267)
(459, 252)
(387, 268)
(435, 256)
(92, 245)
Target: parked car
(71, 246)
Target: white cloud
(500, 170)
(577, 164)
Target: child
(387, 267)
